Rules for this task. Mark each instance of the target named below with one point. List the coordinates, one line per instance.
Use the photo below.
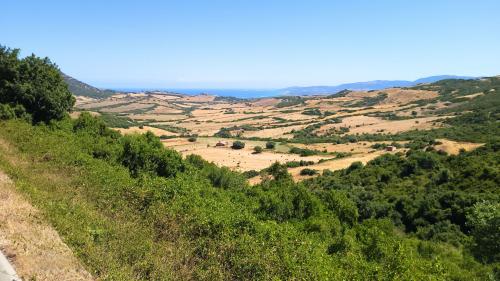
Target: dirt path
(33, 247)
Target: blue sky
(256, 44)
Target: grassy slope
(183, 227)
(125, 228)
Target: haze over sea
(237, 93)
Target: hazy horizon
(258, 44)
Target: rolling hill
(366, 86)
(78, 88)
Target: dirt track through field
(33, 247)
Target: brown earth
(32, 245)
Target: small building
(221, 144)
(390, 148)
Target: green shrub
(270, 145)
(238, 145)
(6, 112)
(308, 172)
(257, 149)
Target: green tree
(238, 145)
(257, 149)
(270, 145)
(34, 83)
(484, 220)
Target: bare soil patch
(33, 246)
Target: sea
(236, 93)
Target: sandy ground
(32, 245)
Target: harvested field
(137, 130)
(241, 160)
(161, 109)
(351, 122)
(359, 147)
(205, 115)
(282, 132)
(404, 96)
(397, 126)
(453, 147)
(127, 107)
(198, 98)
(158, 117)
(335, 164)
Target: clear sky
(253, 43)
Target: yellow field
(204, 115)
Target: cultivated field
(288, 121)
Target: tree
(34, 83)
(308, 172)
(257, 149)
(6, 112)
(485, 223)
(238, 145)
(270, 145)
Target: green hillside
(131, 209)
(79, 88)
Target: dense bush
(131, 209)
(303, 151)
(270, 145)
(257, 149)
(238, 145)
(308, 172)
(34, 83)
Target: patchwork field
(307, 122)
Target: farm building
(221, 144)
(390, 148)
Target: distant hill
(366, 86)
(78, 88)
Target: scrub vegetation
(131, 209)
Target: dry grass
(137, 130)
(335, 164)
(34, 247)
(404, 96)
(282, 132)
(453, 147)
(76, 114)
(157, 117)
(127, 107)
(241, 160)
(388, 126)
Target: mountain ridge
(79, 88)
(367, 85)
